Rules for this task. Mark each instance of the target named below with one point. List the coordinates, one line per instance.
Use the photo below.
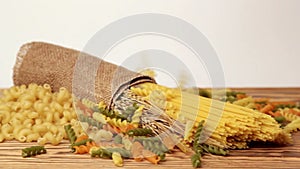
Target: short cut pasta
(34, 113)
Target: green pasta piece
(231, 99)
(33, 151)
(129, 111)
(143, 138)
(112, 114)
(282, 106)
(102, 153)
(124, 153)
(90, 121)
(198, 149)
(196, 160)
(197, 145)
(233, 93)
(280, 119)
(82, 142)
(140, 132)
(214, 150)
(70, 133)
(155, 146)
(118, 139)
(158, 152)
(204, 93)
(197, 135)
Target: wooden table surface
(262, 157)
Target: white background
(257, 41)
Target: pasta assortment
(237, 125)
(34, 113)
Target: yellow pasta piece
(102, 105)
(32, 137)
(289, 116)
(99, 117)
(292, 126)
(1, 138)
(117, 159)
(42, 141)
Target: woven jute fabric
(85, 75)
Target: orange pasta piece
(151, 157)
(108, 127)
(257, 106)
(267, 108)
(117, 129)
(81, 149)
(241, 96)
(294, 112)
(137, 151)
(128, 127)
(90, 144)
(260, 100)
(83, 137)
(277, 114)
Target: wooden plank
(258, 157)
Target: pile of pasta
(227, 125)
(117, 136)
(34, 113)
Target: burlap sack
(85, 75)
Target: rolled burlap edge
(85, 75)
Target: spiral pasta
(135, 119)
(99, 117)
(140, 132)
(150, 156)
(196, 160)
(82, 149)
(123, 152)
(91, 121)
(123, 125)
(117, 159)
(214, 150)
(292, 126)
(103, 135)
(289, 116)
(33, 151)
(100, 152)
(88, 103)
(156, 147)
(70, 133)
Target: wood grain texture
(262, 156)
